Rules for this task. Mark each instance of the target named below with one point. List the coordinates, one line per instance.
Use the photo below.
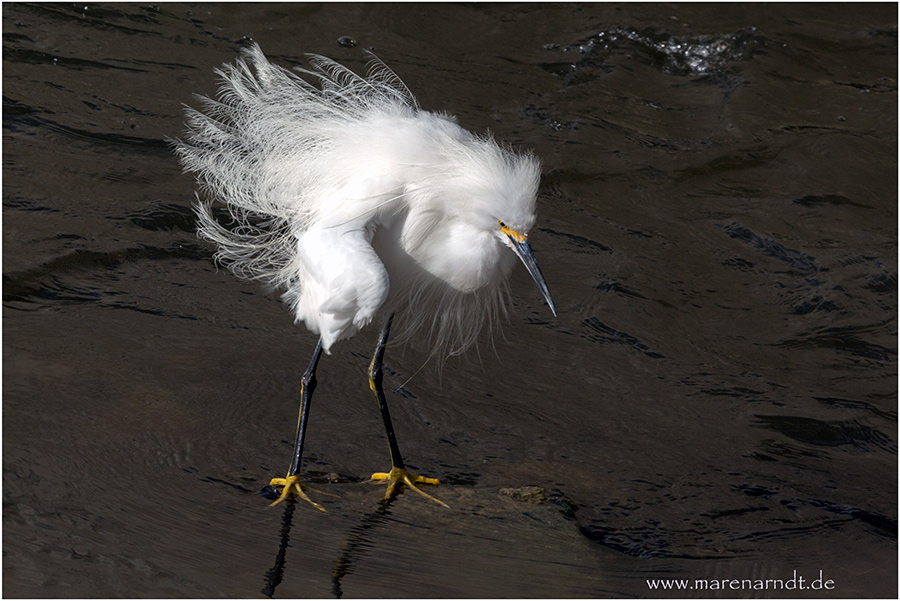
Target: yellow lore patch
(512, 233)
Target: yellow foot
(292, 486)
(399, 477)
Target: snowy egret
(361, 205)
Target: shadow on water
(358, 540)
(375, 546)
(275, 574)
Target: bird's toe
(398, 478)
(293, 487)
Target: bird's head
(468, 218)
(502, 202)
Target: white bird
(361, 205)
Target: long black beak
(524, 252)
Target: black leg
(307, 386)
(376, 377)
(398, 477)
(291, 483)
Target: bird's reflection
(357, 542)
(358, 539)
(276, 573)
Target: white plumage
(357, 202)
(361, 205)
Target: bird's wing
(342, 281)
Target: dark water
(717, 398)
